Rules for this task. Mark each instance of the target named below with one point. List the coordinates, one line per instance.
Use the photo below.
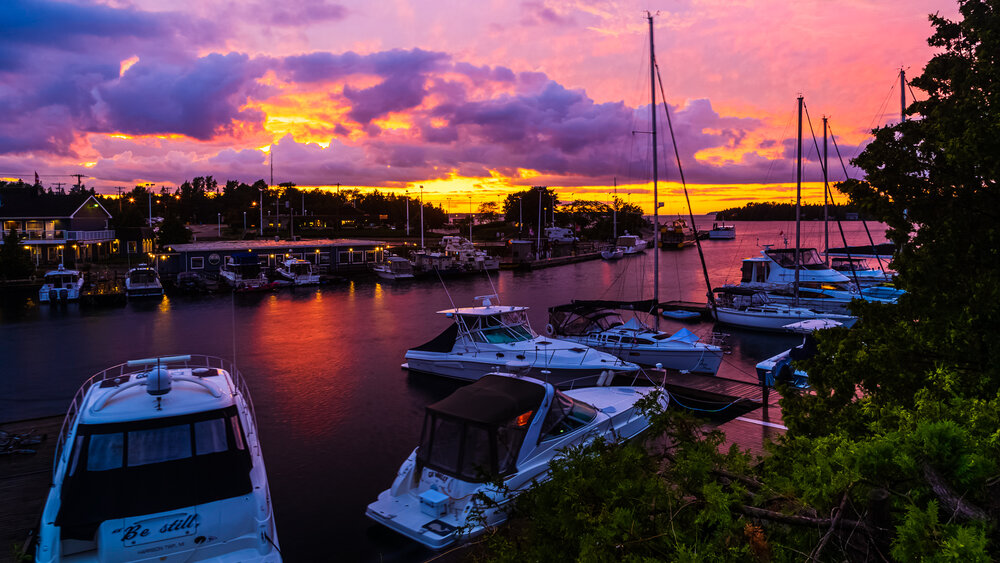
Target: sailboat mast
(902, 94)
(656, 203)
(798, 203)
(826, 189)
(614, 214)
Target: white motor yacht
(61, 285)
(775, 269)
(502, 427)
(394, 268)
(143, 281)
(159, 460)
(630, 244)
(722, 231)
(456, 256)
(830, 299)
(242, 272)
(482, 339)
(599, 325)
(860, 271)
(751, 309)
(298, 272)
(612, 253)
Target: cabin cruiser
(160, 459)
(775, 269)
(298, 272)
(630, 244)
(722, 231)
(394, 268)
(502, 427)
(61, 285)
(243, 273)
(599, 325)
(484, 338)
(612, 253)
(457, 255)
(677, 235)
(143, 281)
(751, 309)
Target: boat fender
(550, 330)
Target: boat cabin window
(469, 450)
(498, 329)
(754, 271)
(785, 257)
(565, 415)
(300, 269)
(143, 276)
(154, 465)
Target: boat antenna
(687, 198)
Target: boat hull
(468, 367)
(774, 321)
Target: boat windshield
(469, 450)
(565, 415)
(143, 276)
(502, 328)
(626, 240)
(61, 280)
(132, 468)
(300, 269)
(785, 257)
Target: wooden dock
(549, 262)
(748, 413)
(24, 483)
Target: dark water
(337, 414)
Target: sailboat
(752, 307)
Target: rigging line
(687, 198)
(827, 191)
(493, 287)
(864, 223)
(446, 292)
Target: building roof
(268, 245)
(26, 205)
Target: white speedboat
(630, 244)
(159, 460)
(394, 268)
(753, 310)
(242, 272)
(779, 367)
(722, 231)
(143, 281)
(597, 324)
(298, 272)
(61, 285)
(612, 253)
(502, 427)
(482, 339)
(860, 271)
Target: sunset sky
(464, 98)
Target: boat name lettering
(140, 530)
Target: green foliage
(774, 211)
(15, 260)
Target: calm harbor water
(337, 414)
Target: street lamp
(470, 217)
(421, 216)
(220, 224)
(244, 221)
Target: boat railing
(114, 372)
(641, 373)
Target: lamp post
(406, 197)
(244, 221)
(421, 216)
(220, 224)
(470, 217)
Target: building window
(197, 262)
(370, 255)
(343, 258)
(324, 257)
(133, 246)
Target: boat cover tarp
(492, 400)
(683, 335)
(443, 342)
(633, 324)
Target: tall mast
(614, 215)
(826, 213)
(656, 204)
(902, 94)
(798, 202)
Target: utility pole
(520, 217)
(59, 185)
(79, 179)
(406, 197)
(470, 217)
